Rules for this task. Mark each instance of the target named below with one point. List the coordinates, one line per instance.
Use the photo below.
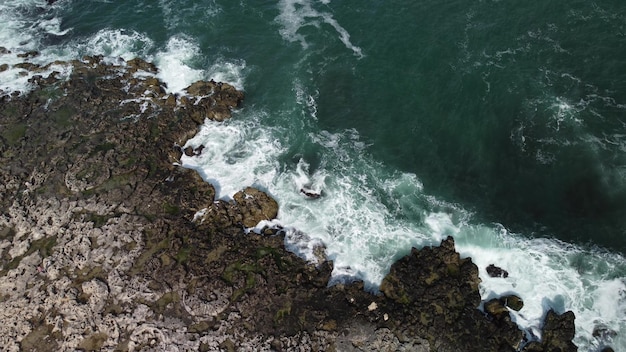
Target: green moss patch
(94, 342)
(14, 133)
(151, 250)
(43, 245)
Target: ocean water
(500, 123)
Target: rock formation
(105, 244)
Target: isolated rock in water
(495, 271)
(512, 301)
(310, 193)
(255, 206)
(603, 332)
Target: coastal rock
(558, 331)
(497, 309)
(495, 271)
(212, 100)
(255, 206)
(512, 301)
(105, 244)
(138, 64)
(436, 293)
(28, 54)
(557, 334)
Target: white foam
(24, 23)
(231, 72)
(368, 217)
(361, 235)
(297, 14)
(174, 64)
(549, 274)
(306, 99)
(237, 154)
(114, 43)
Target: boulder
(255, 206)
(496, 309)
(512, 301)
(557, 334)
(495, 271)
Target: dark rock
(27, 66)
(436, 293)
(495, 271)
(310, 194)
(189, 151)
(497, 309)
(137, 64)
(255, 206)
(603, 332)
(557, 334)
(512, 301)
(4, 50)
(28, 54)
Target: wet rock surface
(105, 244)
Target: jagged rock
(4, 50)
(28, 54)
(558, 331)
(497, 309)
(255, 206)
(27, 66)
(202, 88)
(495, 271)
(557, 334)
(188, 151)
(137, 64)
(436, 293)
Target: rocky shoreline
(106, 244)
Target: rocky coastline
(106, 244)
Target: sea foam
(298, 14)
(367, 217)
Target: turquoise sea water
(502, 123)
